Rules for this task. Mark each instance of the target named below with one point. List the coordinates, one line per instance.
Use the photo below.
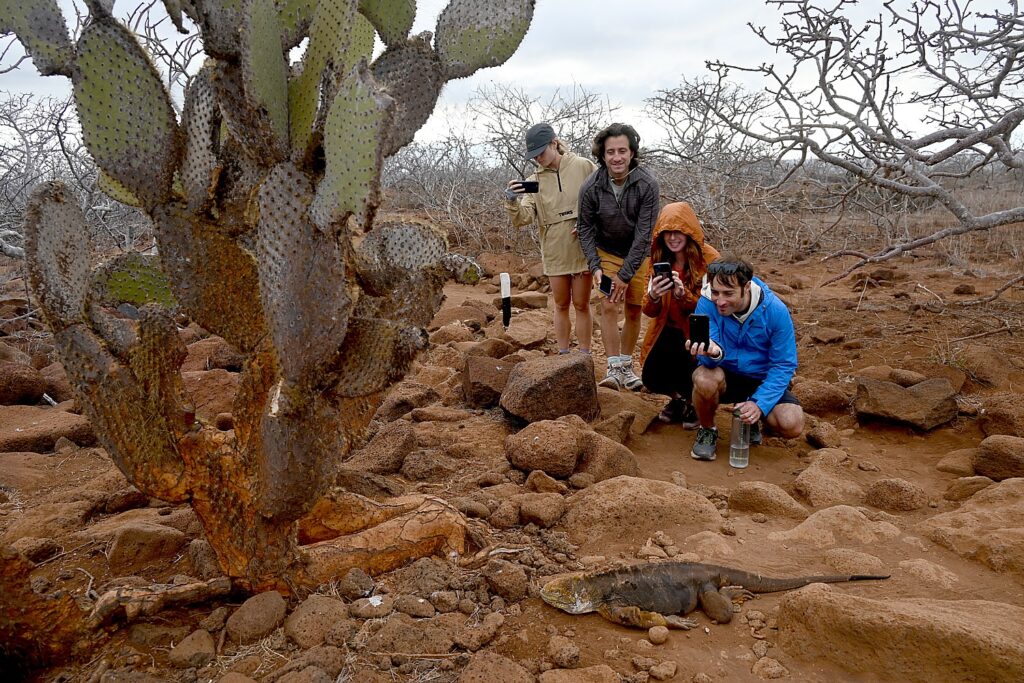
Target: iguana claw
(684, 623)
(737, 594)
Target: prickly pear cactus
(258, 193)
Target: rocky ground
(912, 465)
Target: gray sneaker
(629, 378)
(613, 380)
(705, 444)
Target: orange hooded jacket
(678, 216)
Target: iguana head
(571, 593)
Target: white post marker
(506, 299)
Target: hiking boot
(704, 445)
(629, 378)
(689, 419)
(613, 380)
(755, 434)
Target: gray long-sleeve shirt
(621, 227)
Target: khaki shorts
(610, 264)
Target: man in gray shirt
(618, 207)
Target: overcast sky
(625, 51)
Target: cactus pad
(131, 278)
(127, 120)
(219, 21)
(295, 17)
(473, 34)
(356, 123)
(264, 68)
(412, 75)
(392, 18)
(40, 27)
(116, 190)
(201, 124)
(213, 278)
(57, 248)
(377, 353)
(338, 36)
(302, 279)
(400, 266)
(139, 440)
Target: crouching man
(750, 359)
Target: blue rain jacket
(762, 347)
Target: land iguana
(660, 593)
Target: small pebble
(658, 635)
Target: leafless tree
(912, 101)
(40, 141)
(456, 183)
(707, 162)
(504, 112)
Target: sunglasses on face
(723, 268)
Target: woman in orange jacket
(677, 239)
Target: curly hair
(614, 130)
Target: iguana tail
(756, 583)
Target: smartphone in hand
(605, 286)
(663, 268)
(700, 329)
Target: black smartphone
(605, 286)
(700, 331)
(664, 269)
(530, 186)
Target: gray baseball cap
(537, 138)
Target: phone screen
(606, 285)
(700, 332)
(664, 269)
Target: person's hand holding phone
(699, 342)
(618, 290)
(709, 349)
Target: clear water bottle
(739, 442)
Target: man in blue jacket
(750, 359)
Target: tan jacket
(554, 209)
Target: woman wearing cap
(553, 208)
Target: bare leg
(581, 285)
(630, 329)
(610, 328)
(786, 420)
(561, 291)
(708, 385)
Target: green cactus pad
(57, 250)
(392, 18)
(295, 17)
(412, 75)
(264, 68)
(219, 21)
(127, 120)
(116, 190)
(356, 123)
(212, 277)
(377, 353)
(302, 278)
(131, 278)
(201, 124)
(474, 34)
(338, 36)
(40, 27)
